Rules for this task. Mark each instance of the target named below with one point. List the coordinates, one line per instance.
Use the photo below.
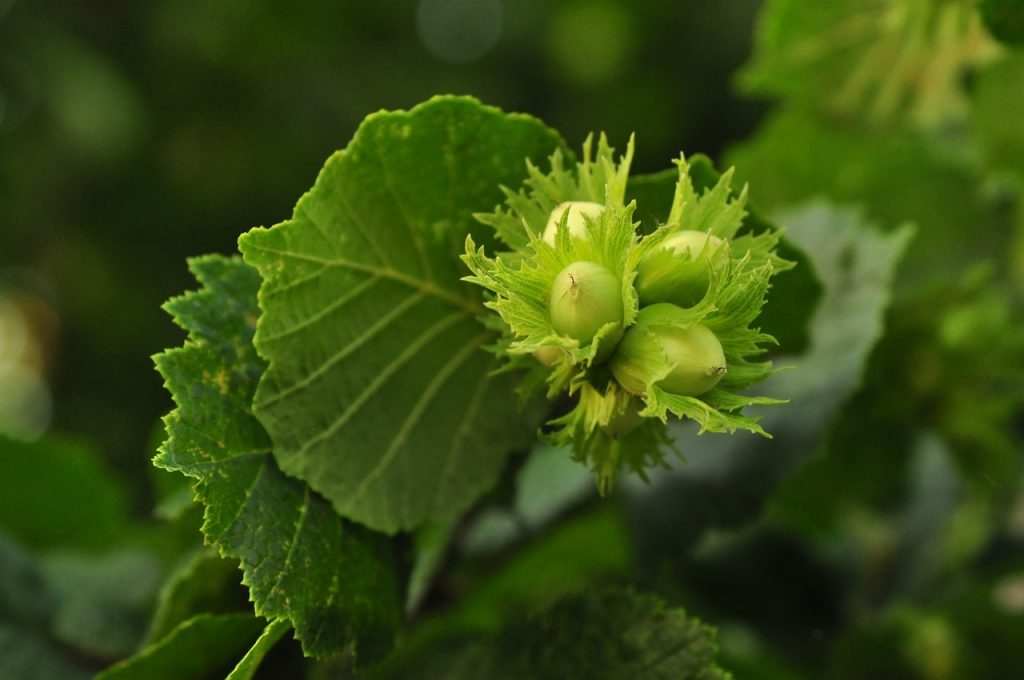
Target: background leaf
(335, 581)
(249, 664)
(205, 584)
(898, 176)
(202, 647)
(378, 393)
(27, 606)
(102, 600)
(873, 59)
(725, 480)
(604, 635)
(1001, 89)
(55, 492)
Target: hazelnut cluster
(635, 326)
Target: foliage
(388, 412)
(360, 392)
(1004, 19)
(335, 581)
(603, 634)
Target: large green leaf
(378, 393)
(335, 581)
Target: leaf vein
(467, 303)
(462, 432)
(417, 411)
(337, 304)
(303, 513)
(352, 346)
(414, 234)
(241, 506)
(410, 351)
(354, 217)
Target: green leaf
(206, 584)
(203, 647)
(585, 551)
(603, 635)
(957, 352)
(103, 601)
(613, 634)
(333, 580)
(1004, 19)
(249, 664)
(1000, 90)
(378, 393)
(26, 655)
(27, 606)
(432, 543)
(875, 59)
(590, 549)
(548, 484)
(898, 177)
(54, 492)
(64, 615)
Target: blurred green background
(880, 536)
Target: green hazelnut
(657, 349)
(680, 270)
(584, 297)
(693, 242)
(575, 222)
(548, 355)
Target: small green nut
(660, 349)
(680, 270)
(584, 297)
(693, 242)
(575, 222)
(548, 355)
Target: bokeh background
(887, 541)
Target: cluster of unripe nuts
(587, 296)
